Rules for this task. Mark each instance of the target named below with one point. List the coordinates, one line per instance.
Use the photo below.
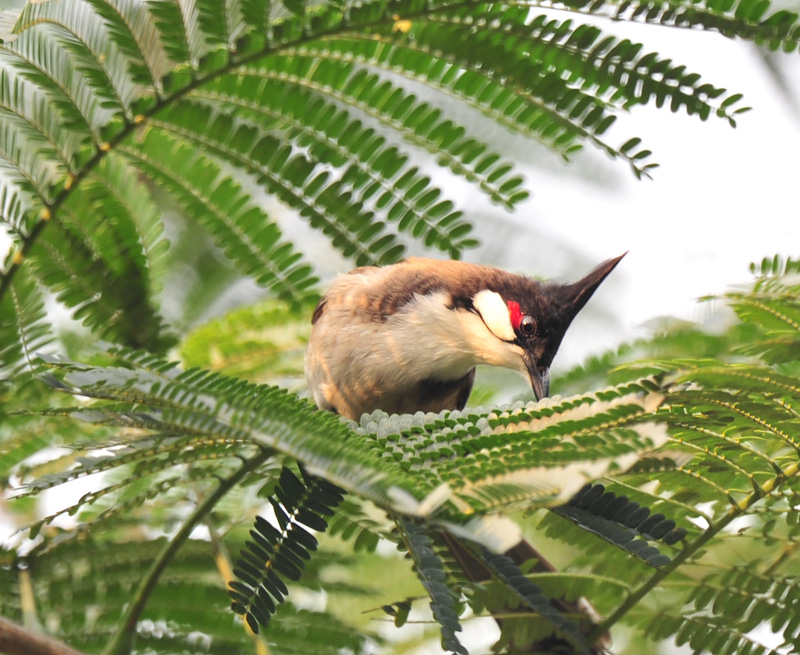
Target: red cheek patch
(514, 313)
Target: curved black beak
(540, 378)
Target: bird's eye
(528, 326)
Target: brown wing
(374, 293)
(436, 395)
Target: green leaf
(430, 571)
(241, 227)
(112, 234)
(170, 20)
(130, 25)
(83, 36)
(275, 553)
(301, 182)
(531, 598)
(24, 330)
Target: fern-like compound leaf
(531, 597)
(278, 553)
(431, 574)
(621, 522)
(252, 240)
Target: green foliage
(277, 554)
(620, 521)
(430, 570)
(104, 102)
(22, 338)
(734, 419)
(531, 598)
(134, 134)
(456, 448)
(97, 576)
(730, 451)
(264, 342)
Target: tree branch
(16, 640)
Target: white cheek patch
(494, 312)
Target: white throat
(444, 343)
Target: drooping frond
(746, 19)
(31, 160)
(206, 422)
(177, 30)
(531, 599)
(103, 256)
(40, 62)
(367, 168)
(299, 181)
(430, 571)
(251, 239)
(23, 330)
(132, 28)
(97, 56)
(290, 85)
(221, 23)
(559, 116)
(621, 522)
(277, 554)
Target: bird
(407, 337)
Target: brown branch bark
(16, 640)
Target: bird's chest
(421, 357)
(429, 341)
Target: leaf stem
(637, 595)
(734, 512)
(122, 641)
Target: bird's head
(531, 318)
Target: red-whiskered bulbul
(407, 338)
